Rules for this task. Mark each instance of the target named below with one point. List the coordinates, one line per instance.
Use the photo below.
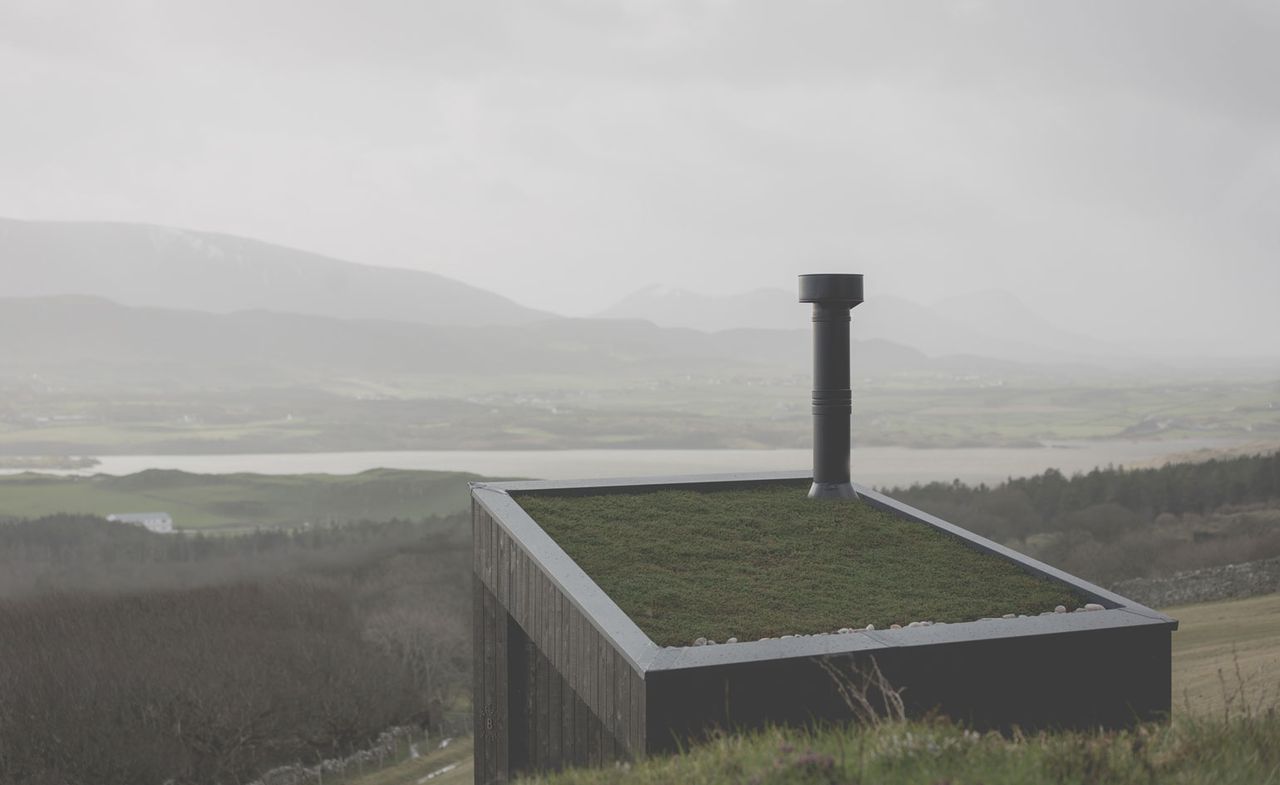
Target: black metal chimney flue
(833, 295)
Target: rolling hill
(91, 338)
(137, 264)
(992, 324)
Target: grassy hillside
(1226, 655)
(238, 501)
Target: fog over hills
(993, 323)
(177, 269)
(138, 264)
(92, 338)
(80, 274)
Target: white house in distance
(158, 522)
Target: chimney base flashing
(832, 490)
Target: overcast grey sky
(1115, 164)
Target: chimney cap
(831, 288)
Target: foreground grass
(1214, 639)
(1226, 729)
(1190, 750)
(236, 501)
(766, 561)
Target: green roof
(765, 561)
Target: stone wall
(1210, 584)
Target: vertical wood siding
(573, 699)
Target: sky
(1116, 165)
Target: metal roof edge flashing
(586, 595)
(647, 656)
(1108, 598)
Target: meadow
(1226, 656)
(241, 502)
(727, 410)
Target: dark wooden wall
(1109, 678)
(549, 690)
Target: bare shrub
(865, 690)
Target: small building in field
(158, 522)
(597, 605)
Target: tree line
(1115, 523)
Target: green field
(228, 502)
(1227, 654)
(767, 561)
(696, 411)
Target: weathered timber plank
(566, 635)
(499, 573)
(477, 677)
(485, 528)
(555, 744)
(535, 604)
(553, 627)
(494, 768)
(486, 544)
(591, 666)
(517, 604)
(501, 705)
(491, 556)
(517, 694)
(507, 566)
(492, 562)
(637, 715)
(500, 568)
(606, 701)
(526, 601)
(555, 681)
(544, 611)
(513, 584)
(571, 728)
(531, 702)
(621, 692)
(475, 537)
(588, 684)
(511, 573)
(584, 652)
(544, 729)
(566, 693)
(581, 745)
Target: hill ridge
(160, 266)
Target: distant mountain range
(991, 324)
(136, 264)
(91, 337)
(180, 279)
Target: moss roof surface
(766, 561)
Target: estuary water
(877, 466)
